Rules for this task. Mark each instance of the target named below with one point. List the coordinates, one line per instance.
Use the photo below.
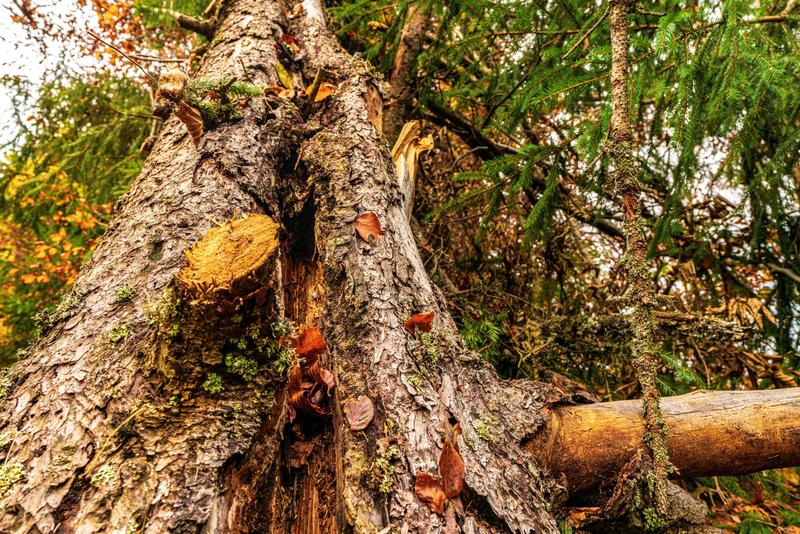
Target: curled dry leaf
(171, 84)
(192, 119)
(420, 321)
(309, 343)
(359, 412)
(430, 491)
(309, 385)
(451, 465)
(367, 225)
(299, 451)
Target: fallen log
(710, 433)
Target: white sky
(25, 57)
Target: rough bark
(109, 419)
(711, 433)
(113, 429)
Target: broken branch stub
(233, 261)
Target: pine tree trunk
(112, 423)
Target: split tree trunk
(108, 419)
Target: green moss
(483, 428)
(5, 384)
(6, 438)
(218, 99)
(104, 475)
(10, 474)
(168, 199)
(213, 384)
(124, 294)
(383, 470)
(118, 334)
(284, 360)
(241, 366)
(45, 319)
(415, 380)
(652, 521)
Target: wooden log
(711, 433)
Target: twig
(159, 59)
(129, 58)
(588, 33)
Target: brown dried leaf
(451, 466)
(429, 490)
(420, 321)
(309, 343)
(374, 102)
(192, 119)
(325, 90)
(359, 412)
(299, 451)
(367, 225)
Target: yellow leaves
(407, 149)
(284, 77)
(58, 237)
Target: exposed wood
(711, 433)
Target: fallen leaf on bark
(429, 490)
(283, 76)
(420, 321)
(451, 466)
(192, 119)
(359, 412)
(367, 224)
(308, 343)
(299, 452)
(325, 90)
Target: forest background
(512, 211)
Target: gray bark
(112, 435)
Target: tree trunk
(113, 422)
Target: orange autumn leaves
(434, 491)
(310, 385)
